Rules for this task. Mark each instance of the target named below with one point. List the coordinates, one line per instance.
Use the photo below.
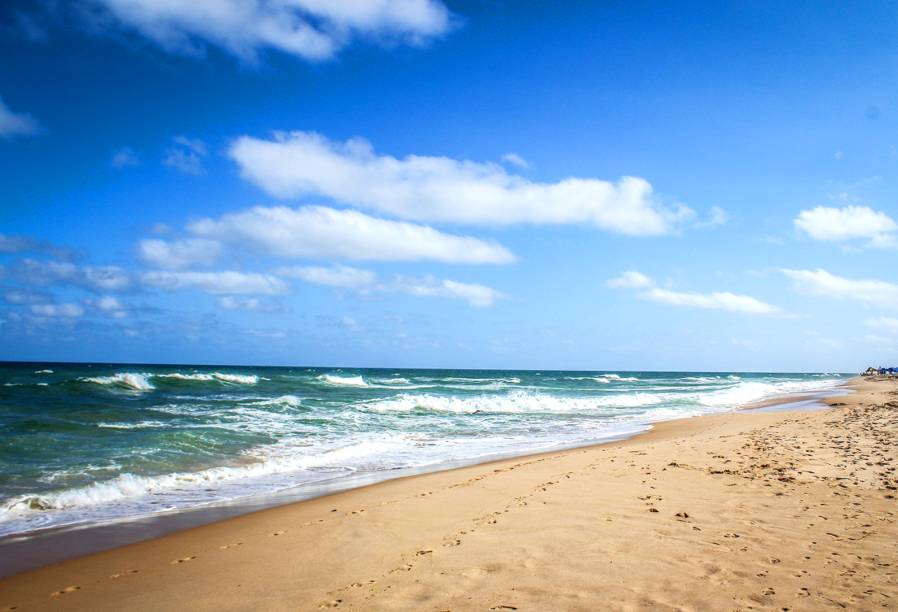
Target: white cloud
(186, 155)
(179, 253)
(475, 295)
(848, 223)
(110, 306)
(19, 296)
(631, 279)
(310, 29)
(718, 216)
(515, 160)
(67, 311)
(335, 276)
(888, 325)
(224, 282)
(718, 300)
(107, 278)
(321, 232)
(229, 302)
(443, 189)
(366, 281)
(124, 157)
(821, 282)
(100, 278)
(16, 124)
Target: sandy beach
(747, 510)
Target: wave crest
(124, 380)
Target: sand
(746, 510)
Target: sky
(701, 186)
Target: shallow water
(81, 444)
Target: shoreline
(34, 549)
(784, 509)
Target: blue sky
(419, 183)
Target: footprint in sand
(331, 604)
(184, 560)
(123, 574)
(234, 545)
(358, 585)
(277, 533)
(65, 591)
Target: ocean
(91, 443)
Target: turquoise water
(89, 443)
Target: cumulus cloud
(322, 232)
(426, 188)
(16, 124)
(335, 276)
(223, 282)
(124, 157)
(230, 302)
(848, 223)
(309, 29)
(717, 300)
(367, 281)
(630, 279)
(186, 155)
(824, 283)
(179, 253)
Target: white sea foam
(125, 380)
(518, 402)
(138, 425)
(238, 379)
(748, 392)
(605, 378)
(285, 400)
(393, 381)
(266, 461)
(43, 371)
(191, 377)
(343, 381)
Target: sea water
(83, 444)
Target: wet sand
(767, 510)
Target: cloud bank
(442, 189)
(327, 233)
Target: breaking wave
(123, 380)
(343, 381)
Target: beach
(755, 509)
